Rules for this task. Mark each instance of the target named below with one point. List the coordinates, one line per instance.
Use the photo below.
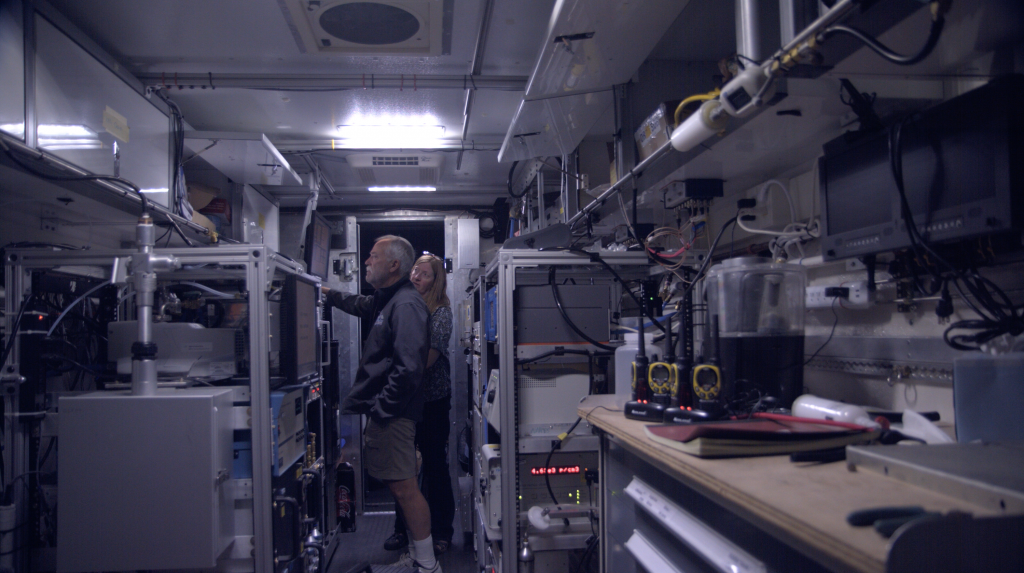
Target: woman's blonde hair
(437, 296)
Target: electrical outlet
(771, 212)
(859, 296)
(815, 297)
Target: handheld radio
(642, 406)
(664, 376)
(680, 407)
(707, 377)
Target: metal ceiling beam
(332, 81)
(301, 145)
(475, 67)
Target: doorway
(425, 236)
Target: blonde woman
(428, 276)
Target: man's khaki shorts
(390, 449)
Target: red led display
(555, 470)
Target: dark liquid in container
(772, 365)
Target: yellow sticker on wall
(261, 220)
(115, 124)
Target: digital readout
(555, 470)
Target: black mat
(366, 545)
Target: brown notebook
(758, 436)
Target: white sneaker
(435, 569)
(406, 561)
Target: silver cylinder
(145, 232)
(143, 377)
(145, 323)
(748, 35)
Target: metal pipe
(748, 35)
(841, 8)
(144, 268)
(144, 376)
(626, 177)
(476, 66)
(170, 81)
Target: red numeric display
(555, 470)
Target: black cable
(997, 317)
(700, 271)
(559, 351)
(509, 182)
(17, 549)
(587, 553)
(50, 177)
(565, 316)
(888, 55)
(829, 339)
(14, 331)
(639, 303)
(166, 234)
(707, 260)
(547, 463)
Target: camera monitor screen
(299, 330)
(317, 246)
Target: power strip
(857, 296)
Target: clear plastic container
(760, 308)
(753, 296)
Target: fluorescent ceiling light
(385, 131)
(389, 131)
(164, 190)
(404, 188)
(65, 131)
(55, 131)
(59, 137)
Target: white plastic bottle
(811, 406)
(624, 357)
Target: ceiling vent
(397, 168)
(361, 27)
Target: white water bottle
(811, 406)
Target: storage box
(656, 130)
(142, 480)
(288, 430)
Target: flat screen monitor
(317, 251)
(962, 172)
(300, 339)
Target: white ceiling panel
(252, 36)
(492, 113)
(595, 44)
(515, 36)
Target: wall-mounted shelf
(591, 45)
(247, 158)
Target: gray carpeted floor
(366, 545)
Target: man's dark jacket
(389, 381)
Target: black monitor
(962, 170)
(317, 250)
(299, 331)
